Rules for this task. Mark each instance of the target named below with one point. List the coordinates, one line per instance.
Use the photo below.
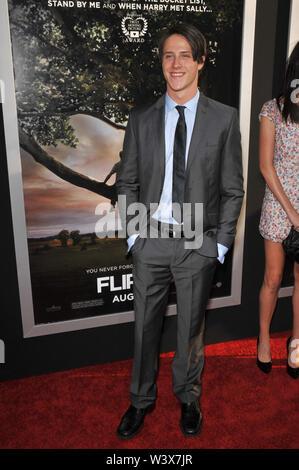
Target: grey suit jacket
(213, 173)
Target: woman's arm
(267, 143)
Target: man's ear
(202, 63)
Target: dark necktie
(179, 151)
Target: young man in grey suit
(184, 150)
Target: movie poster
(79, 67)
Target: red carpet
(80, 409)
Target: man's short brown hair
(194, 37)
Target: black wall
(32, 356)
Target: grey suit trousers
(156, 262)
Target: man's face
(179, 68)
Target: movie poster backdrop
(79, 67)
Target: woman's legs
(293, 358)
(274, 265)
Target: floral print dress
(274, 223)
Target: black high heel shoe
(292, 371)
(263, 366)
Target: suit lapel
(199, 133)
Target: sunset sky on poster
(53, 204)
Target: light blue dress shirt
(164, 210)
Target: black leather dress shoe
(191, 419)
(132, 421)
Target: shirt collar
(170, 104)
